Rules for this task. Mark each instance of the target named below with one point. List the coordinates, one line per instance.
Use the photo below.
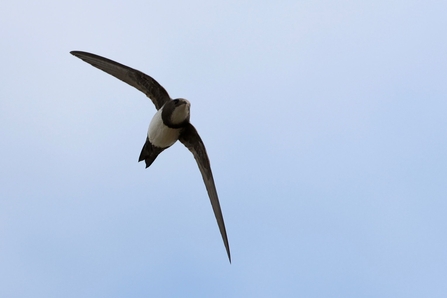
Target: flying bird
(169, 124)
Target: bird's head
(176, 112)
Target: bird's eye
(176, 101)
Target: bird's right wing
(133, 77)
(191, 139)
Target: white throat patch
(180, 113)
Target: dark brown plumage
(184, 131)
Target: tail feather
(149, 153)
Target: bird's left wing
(133, 77)
(191, 139)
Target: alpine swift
(169, 124)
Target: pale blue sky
(325, 123)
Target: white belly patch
(159, 134)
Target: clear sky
(325, 122)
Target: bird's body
(169, 124)
(161, 135)
(161, 132)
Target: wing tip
(227, 246)
(75, 53)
